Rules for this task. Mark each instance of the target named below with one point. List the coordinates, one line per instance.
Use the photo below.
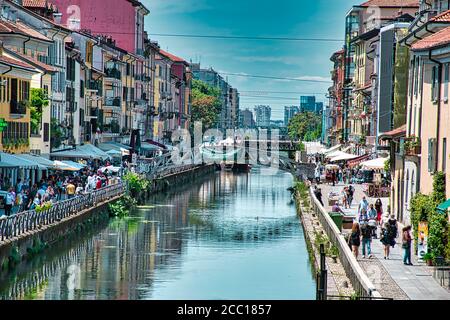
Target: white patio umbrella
(59, 165)
(335, 154)
(343, 157)
(375, 164)
(110, 169)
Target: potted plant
(334, 252)
(412, 145)
(428, 258)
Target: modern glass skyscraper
(307, 104)
(263, 114)
(289, 113)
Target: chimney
(57, 17)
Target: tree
(305, 126)
(38, 102)
(206, 104)
(56, 134)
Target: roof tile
(16, 63)
(439, 38)
(443, 17)
(171, 56)
(391, 3)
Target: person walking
(70, 189)
(318, 193)
(389, 235)
(345, 197)
(363, 205)
(9, 201)
(379, 209)
(351, 192)
(317, 174)
(366, 233)
(372, 214)
(333, 177)
(355, 239)
(406, 245)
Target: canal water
(228, 236)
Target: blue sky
(259, 18)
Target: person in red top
(99, 183)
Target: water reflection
(227, 237)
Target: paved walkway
(391, 277)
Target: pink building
(123, 20)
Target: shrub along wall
(424, 208)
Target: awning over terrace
(86, 151)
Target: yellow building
(15, 80)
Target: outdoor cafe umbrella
(59, 165)
(343, 157)
(375, 164)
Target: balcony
(113, 73)
(71, 106)
(95, 86)
(112, 102)
(18, 108)
(412, 146)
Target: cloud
(176, 6)
(314, 78)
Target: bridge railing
(18, 224)
(360, 282)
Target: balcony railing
(18, 108)
(71, 107)
(113, 73)
(112, 102)
(95, 85)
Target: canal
(228, 236)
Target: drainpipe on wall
(24, 47)
(438, 105)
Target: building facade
(263, 116)
(289, 113)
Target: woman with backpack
(355, 239)
(389, 235)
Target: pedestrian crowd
(56, 187)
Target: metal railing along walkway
(23, 222)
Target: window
(434, 83)
(14, 90)
(416, 76)
(46, 132)
(89, 52)
(444, 154)
(15, 131)
(432, 155)
(81, 88)
(446, 76)
(24, 91)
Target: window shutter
(431, 155)
(46, 132)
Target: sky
(304, 60)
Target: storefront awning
(327, 151)
(375, 164)
(43, 163)
(357, 161)
(344, 157)
(393, 134)
(86, 151)
(443, 207)
(12, 161)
